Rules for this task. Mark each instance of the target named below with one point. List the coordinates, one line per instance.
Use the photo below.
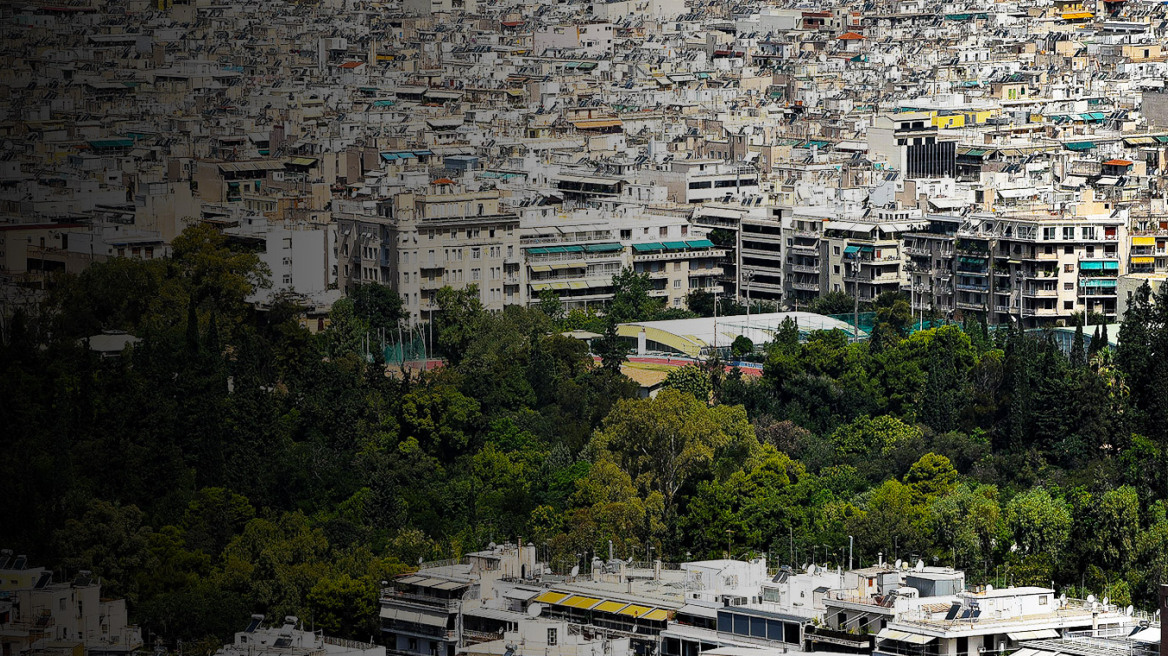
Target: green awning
(1163, 138)
(675, 245)
(701, 243)
(557, 249)
(389, 157)
(1099, 282)
(1079, 145)
(1112, 265)
(573, 249)
(651, 246)
(383, 103)
(112, 143)
(867, 249)
(603, 248)
(958, 17)
(302, 161)
(537, 251)
(851, 250)
(971, 260)
(1090, 266)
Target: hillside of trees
(231, 462)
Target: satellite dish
(989, 588)
(534, 610)
(1129, 610)
(811, 568)
(575, 570)
(920, 565)
(1090, 599)
(1106, 601)
(629, 561)
(1063, 598)
(899, 562)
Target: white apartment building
(418, 243)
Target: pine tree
(1095, 343)
(1078, 353)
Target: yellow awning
(1077, 15)
(635, 610)
(541, 268)
(657, 615)
(610, 606)
(1143, 260)
(568, 265)
(539, 287)
(1143, 241)
(580, 602)
(577, 284)
(550, 597)
(596, 124)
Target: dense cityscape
(584, 328)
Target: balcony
(964, 287)
(805, 268)
(1031, 292)
(805, 286)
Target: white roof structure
(695, 337)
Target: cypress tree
(1078, 353)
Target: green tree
(379, 307)
(931, 476)
(551, 305)
(611, 348)
(344, 606)
(630, 299)
(832, 303)
(460, 318)
(1039, 522)
(691, 379)
(664, 442)
(110, 540)
(741, 346)
(700, 302)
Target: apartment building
(866, 258)
(752, 233)
(1034, 268)
(418, 243)
(65, 617)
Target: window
(836, 267)
(475, 274)
(1088, 232)
(476, 253)
(551, 637)
(1068, 305)
(1069, 250)
(1069, 268)
(1068, 286)
(836, 250)
(1048, 234)
(663, 232)
(677, 284)
(1068, 233)
(677, 266)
